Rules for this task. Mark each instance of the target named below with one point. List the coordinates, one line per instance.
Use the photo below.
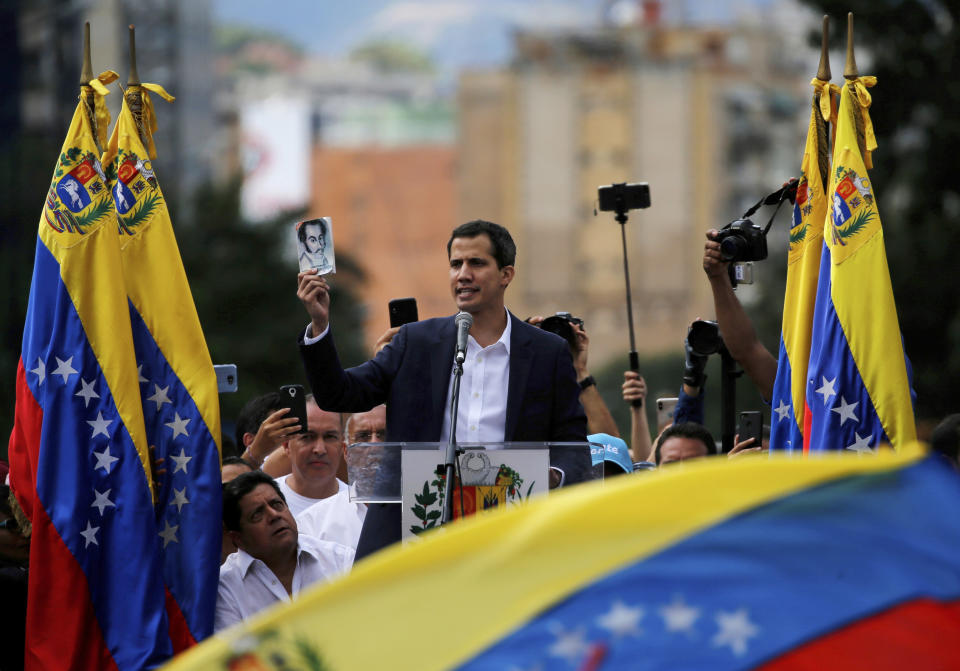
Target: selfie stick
(621, 218)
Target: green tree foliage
(243, 277)
(392, 56)
(911, 46)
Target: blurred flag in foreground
(858, 384)
(177, 382)
(78, 451)
(784, 562)
(803, 265)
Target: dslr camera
(742, 240)
(561, 324)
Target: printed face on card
(315, 245)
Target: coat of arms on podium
(487, 479)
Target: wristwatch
(587, 382)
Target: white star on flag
(102, 501)
(90, 535)
(140, 374)
(861, 445)
(40, 371)
(64, 368)
(570, 645)
(104, 460)
(169, 533)
(181, 461)
(845, 410)
(179, 425)
(621, 620)
(87, 392)
(827, 389)
(678, 616)
(782, 410)
(160, 396)
(100, 425)
(734, 630)
(180, 496)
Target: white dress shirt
(247, 585)
(335, 518)
(482, 414)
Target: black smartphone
(751, 426)
(292, 396)
(402, 311)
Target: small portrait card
(315, 245)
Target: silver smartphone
(665, 409)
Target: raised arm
(737, 329)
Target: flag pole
(87, 94)
(133, 95)
(823, 71)
(851, 74)
(824, 144)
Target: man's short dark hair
(302, 229)
(687, 430)
(504, 249)
(253, 413)
(945, 439)
(233, 460)
(239, 487)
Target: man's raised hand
(314, 292)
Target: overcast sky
(456, 33)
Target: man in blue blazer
(518, 382)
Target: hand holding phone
(751, 426)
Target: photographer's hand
(713, 264)
(314, 292)
(635, 387)
(580, 355)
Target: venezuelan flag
(803, 265)
(177, 381)
(858, 385)
(78, 451)
(788, 563)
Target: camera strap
(787, 192)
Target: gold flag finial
(134, 78)
(850, 69)
(86, 74)
(823, 72)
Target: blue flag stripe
(778, 576)
(191, 562)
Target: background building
(710, 118)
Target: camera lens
(732, 246)
(704, 337)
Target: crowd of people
(288, 518)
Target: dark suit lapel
(521, 358)
(441, 363)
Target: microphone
(464, 320)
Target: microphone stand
(450, 457)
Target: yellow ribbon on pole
(148, 125)
(828, 104)
(100, 111)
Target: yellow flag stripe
(505, 567)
